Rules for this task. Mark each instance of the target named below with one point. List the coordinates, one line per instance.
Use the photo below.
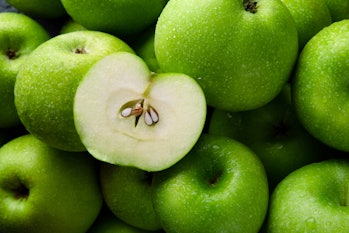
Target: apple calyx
(138, 108)
(19, 191)
(80, 51)
(11, 54)
(250, 6)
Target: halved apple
(129, 116)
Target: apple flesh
(127, 115)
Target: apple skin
(19, 36)
(313, 198)
(319, 86)
(339, 9)
(46, 9)
(127, 193)
(46, 85)
(107, 222)
(220, 186)
(144, 47)
(71, 26)
(274, 133)
(241, 59)
(43, 189)
(120, 18)
(310, 17)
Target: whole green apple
(313, 198)
(43, 189)
(127, 193)
(241, 52)
(310, 17)
(47, 82)
(320, 86)
(47, 9)
(274, 133)
(19, 36)
(220, 186)
(120, 18)
(339, 9)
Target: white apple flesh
(127, 115)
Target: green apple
(241, 52)
(46, 84)
(310, 17)
(144, 47)
(19, 36)
(320, 86)
(47, 9)
(313, 198)
(127, 193)
(127, 115)
(71, 26)
(43, 189)
(107, 222)
(119, 18)
(274, 133)
(220, 186)
(339, 9)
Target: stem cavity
(250, 6)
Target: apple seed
(136, 108)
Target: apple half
(127, 115)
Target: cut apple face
(127, 115)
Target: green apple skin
(46, 9)
(220, 186)
(339, 9)
(71, 26)
(120, 18)
(241, 59)
(107, 222)
(43, 189)
(313, 198)
(19, 36)
(46, 85)
(127, 193)
(310, 17)
(320, 86)
(274, 133)
(144, 47)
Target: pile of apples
(176, 116)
